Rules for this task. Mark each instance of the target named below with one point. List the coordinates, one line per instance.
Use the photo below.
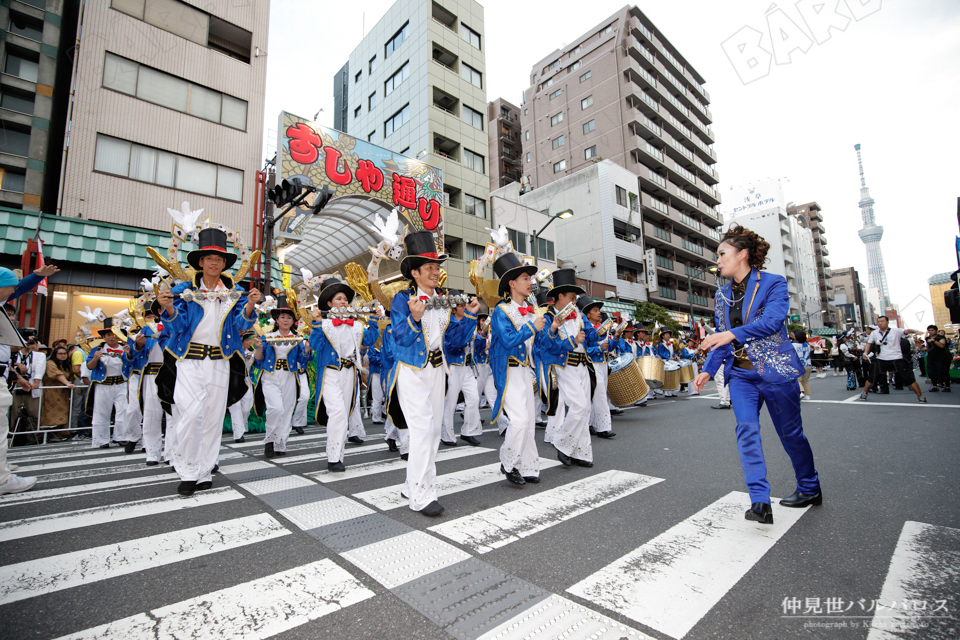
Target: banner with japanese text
(351, 167)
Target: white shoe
(12, 467)
(805, 398)
(16, 484)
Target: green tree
(649, 313)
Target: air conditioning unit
(633, 237)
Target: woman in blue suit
(759, 365)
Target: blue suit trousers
(748, 392)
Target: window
(150, 85)
(586, 102)
(453, 247)
(474, 252)
(473, 160)
(372, 136)
(528, 156)
(24, 65)
(26, 27)
(371, 101)
(526, 112)
(606, 30)
(474, 206)
(396, 40)
(473, 118)
(372, 66)
(590, 152)
(576, 50)
(585, 76)
(471, 75)
(549, 83)
(545, 249)
(558, 142)
(356, 112)
(622, 197)
(356, 78)
(14, 139)
(635, 202)
(576, 65)
(13, 180)
(504, 112)
(507, 151)
(396, 121)
(16, 101)
(394, 81)
(589, 126)
(557, 119)
(146, 164)
(560, 166)
(556, 94)
(626, 273)
(519, 240)
(526, 134)
(470, 35)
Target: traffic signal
(285, 192)
(321, 199)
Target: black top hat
(565, 281)
(330, 288)
(107, 326)
(211, 242)
(421, 249)
(545, 298)
(154, 308)
(639, 327)
(509, 267)
(282, 307)
(604, 316)
(666, 330)
(586, 303)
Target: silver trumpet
(446, 301)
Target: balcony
(829, 285)
(824, 250)
(826, 262)
(631, 239)
(790, 272)
(636, 73)
(815, 215)
(656, 237)
(827, 273)
(792, 288)
(786, 243)
(822, 239)
(822, 229)
(691, 248)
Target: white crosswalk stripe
(383, 466)
(42, 495)
(671, 582)
(46, 575)
(499, 526)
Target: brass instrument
(446, 301)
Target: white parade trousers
(600, 413)
(300, 413)
(152, 419)
(201, 396)
(240, 413)
(461, 379)
(421, 396)
(519, 448)
(280, 396)
(573, 437)
(107, 398)
(377, 398)
(554, 421)
(132, 428)
(338, 386)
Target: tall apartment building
(416, 85)
(35, 36)
(812, 213)
(167, 107)
(623, 92)
(849, 295)
(505, 148)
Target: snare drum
(688, 372)
(671, 376)
(652, 370)
(625, 384)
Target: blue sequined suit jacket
(763, 334)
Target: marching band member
(417, 380)
(336, 343)
(460, 362)
(135, 360)
(600, 411)
(205, 337)
(689, 352)
(397, 439)
(514, 325)
(107, 391)
(645, 349)
(374, 381)
(278, 384)
(567, 353)
(148, 346)
(665, 351)
(303, 398)
(627, 344)
(481, 342)
(549, 391)
(240, 410)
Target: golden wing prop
(382, 324)
(476, 276)
(358, 281)
(135, 309)
(385, 293)
(443, 277)
(245, 266)
(171, 267)
(490, 294)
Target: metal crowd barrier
(20, 418)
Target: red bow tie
(337, 322)
(630, 341)
(159, 326)
(424, 297)
(525, 310)
(596, 326)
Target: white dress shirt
(208, 331)
(431, 324)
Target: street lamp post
(699, 272)
(563, 215)
(808, 314)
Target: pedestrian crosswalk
(362, 544)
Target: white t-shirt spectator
(889, 342)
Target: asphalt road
(651, 541)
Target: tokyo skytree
(871, 234)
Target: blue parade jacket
(187, 316)
(558, 347)
(508, 340)
(137, 358)
(387, 361)
(764, 331)
(325, 356)
(98, 373)
(374, 358)
(480, 356)
(663, 353)
(455, 342)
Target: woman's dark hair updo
(741, 238)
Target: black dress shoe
(216, 469)
(482, 421)
(513, 476)
(187, 487)
(448, 444)
(299, 430)
(606, 434)
(720, 406)
(105, 446)
(472, 440)
(760, 512)
(582, 463)
(152, 463)
(404, 456)
(355, 439)
(279, 453)
(532, 479)
(203, 486)
(616, 412)
(392, 445)
(593, 431)
(564, 458)
(130, 447)
(803, 499)
(433, 509)
(239, 440)
(336, 467)
(268, 451)
(933, 390)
